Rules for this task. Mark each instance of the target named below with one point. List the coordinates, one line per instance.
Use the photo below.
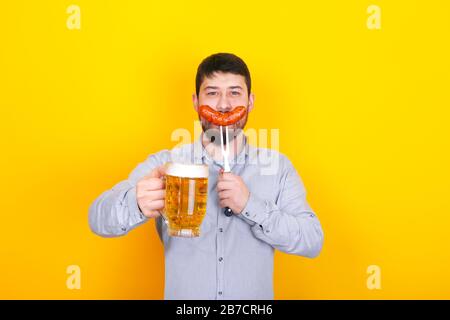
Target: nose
(224, 105)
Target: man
(233, 257)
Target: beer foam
(187, 170)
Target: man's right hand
(151, 193)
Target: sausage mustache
(221, 118)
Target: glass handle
(163, 216)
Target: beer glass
(186, 198)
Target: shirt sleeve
(290, 225)
(115, 212)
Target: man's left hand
(232, 191)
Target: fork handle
(228, 212)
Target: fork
(226, 163)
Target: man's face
(223, 92)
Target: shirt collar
(202, 156)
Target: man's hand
(232, 191)
(151, 193)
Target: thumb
(220, 177)
(157, 172)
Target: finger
(221, 173)
(151, 213)
(228, 176)
(152, 184)
(224, 203)
(155, 205)
(157, 172)
(226, 194)
(153, 194)
(225, 185)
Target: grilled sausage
(222, 118)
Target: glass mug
(186, 198)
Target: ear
(251, 101)
(195, 101)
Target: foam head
(187, 170)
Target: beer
(186, 198)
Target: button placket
(220, 250)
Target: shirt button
(220, 293)
(267, 231)
(247, 214)
(220, 259)
(220, 230)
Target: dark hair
(222, 62)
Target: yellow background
(363, 115)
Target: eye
(235, 93)
(211, 93)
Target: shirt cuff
(135, 213)
(255, 211)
